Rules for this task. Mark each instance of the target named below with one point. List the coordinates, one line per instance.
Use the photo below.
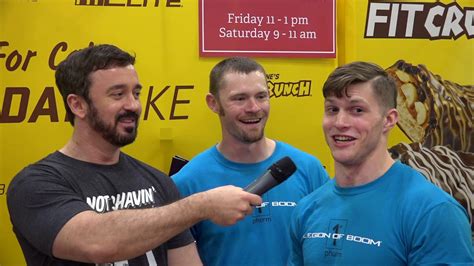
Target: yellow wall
(165, 40)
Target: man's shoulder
(198, 174)
(302, 159)
(50, 162)
(47, 168)
(205, 158)
(322, 195)
(414, 182)
(127, 158)
(130, 160)
(414, 189)
(290, 149)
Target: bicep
(74, 240)
(186, 255)
(40, 207)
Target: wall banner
(271, 28)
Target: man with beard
(91, 203)
(240, 96)
(375, 211)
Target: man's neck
(363, 173)
(91, 147)
(247, 152)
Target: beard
(240, 134)
(110, 132)
(247, 138)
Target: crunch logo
(277, 89)
(298, 89)
(128, 3)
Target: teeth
(251, 121)
(343, 138)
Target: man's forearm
(123, 234)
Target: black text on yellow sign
(46, 105)
(17, 103)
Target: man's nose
(341, 119)
(252, 105)
(132, 103)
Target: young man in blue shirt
(376, 211)
(239, 96)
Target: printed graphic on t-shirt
(262, 213)
(126, 200)
(336, 236)
(142, 198)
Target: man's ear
(212, 103)
(391, 119)
(78, 105)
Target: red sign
(269, 28)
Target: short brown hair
(72, 74)
(233, 64)
(383, 85)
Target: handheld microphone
(275, 174)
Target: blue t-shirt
(398, 219)
(262, 238)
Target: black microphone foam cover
(282, 169)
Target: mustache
(128, 114)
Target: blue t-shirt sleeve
(322, 174)
(443, 236)
(296, 253)
(181, 179)
(317, 174)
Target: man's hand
(228, 204)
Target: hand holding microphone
(228, 204)
(275, 174)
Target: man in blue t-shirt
(376, 211)
(240, 96)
